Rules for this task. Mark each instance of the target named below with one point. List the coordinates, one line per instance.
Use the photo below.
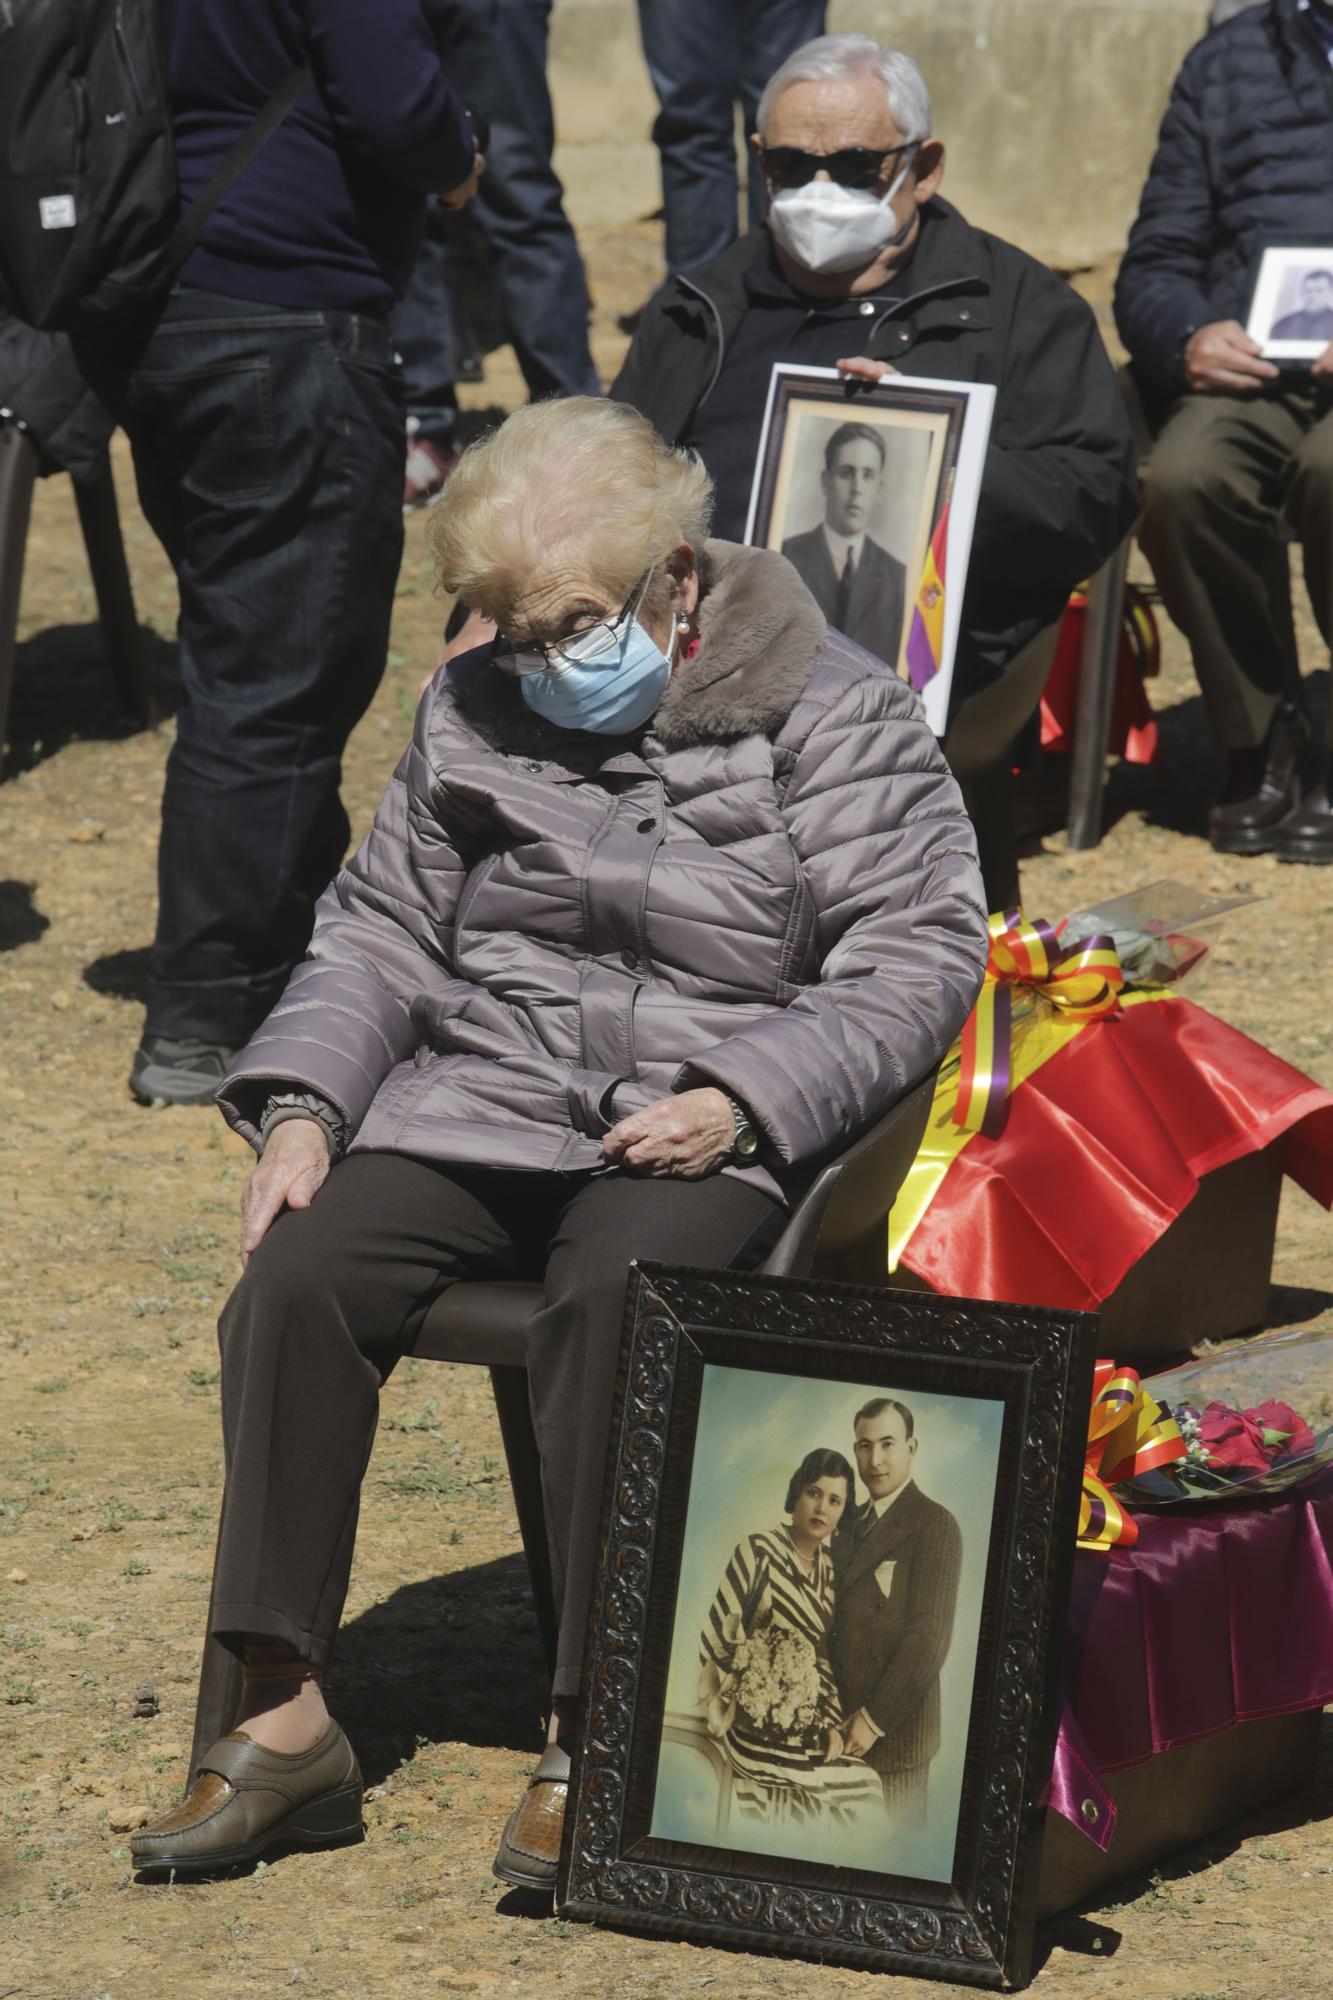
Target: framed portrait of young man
(870, 491)
(1291, 306)
(822, 1668)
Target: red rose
(1271, 1416)
(1234, 1442)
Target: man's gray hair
(832, 56)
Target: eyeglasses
(853, 166)
(592, 641)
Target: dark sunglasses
(854, 166)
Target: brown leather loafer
(246, 1800)
(530, 1846)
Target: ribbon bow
(1128, 1434)
(1082, 981)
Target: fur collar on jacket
(761, 635)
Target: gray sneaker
(166, 1071)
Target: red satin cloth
(1103, 1149)
(1133, 727)
(1217, 1615)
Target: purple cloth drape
(1217, 1615)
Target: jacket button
(965, 314)
(867, 307)
(647, 826)
(630, 960)
(904, 335)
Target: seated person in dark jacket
(1244, 458)
(856, 583)
(863, 266)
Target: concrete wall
(1049, 107)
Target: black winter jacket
(1058, 493)
(1244, 157)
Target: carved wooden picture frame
(723, 1381)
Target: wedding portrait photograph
(869, 490)
(835, 1549)
(1291, 313)
(824, 1646)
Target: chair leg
(99, 517)
(1098, 662)
(520, 1442)
(18, 476)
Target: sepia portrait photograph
(1291, 313)
(870, 492)
(825, 1637)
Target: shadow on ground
(21, 922)
(453, 1659)
(63, 693)
(121, 975)
(1291, 1305)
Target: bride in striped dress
(766, 1687)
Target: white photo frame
(1292, 300)
(932, 448)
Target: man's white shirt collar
(882, 1507)
(838, 546)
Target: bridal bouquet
(777, 1683)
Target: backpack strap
(229, 170)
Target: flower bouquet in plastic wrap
(1255, 1418)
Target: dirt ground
(118, 1245)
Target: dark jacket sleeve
(379, 74)
(383, 935)
(1059, 492)
(1159, 295)
(912, 1668)
(889, 857)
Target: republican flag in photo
(925, 642)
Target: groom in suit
(859, 586)
(896, 1563)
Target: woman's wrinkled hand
(682, 1137)
(293, 1168)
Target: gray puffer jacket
(773, 889)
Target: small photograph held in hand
(1291, 313)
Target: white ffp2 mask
(825, 227)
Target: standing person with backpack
(264, 406)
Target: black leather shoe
(1262, 787)
(1307, 834)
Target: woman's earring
(682, 621)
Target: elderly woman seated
(670, 897)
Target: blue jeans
(702, 56)
(535, 259)
(268, 447)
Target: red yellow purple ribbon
(1127, 1435)
(1082, 981)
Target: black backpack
(90, 223)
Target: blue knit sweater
(330, 213)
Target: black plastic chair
(99, 518)
(839, 1230)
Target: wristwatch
(746, 1142)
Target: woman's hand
(835, 1747)
(681, 1137)
(294, 1166)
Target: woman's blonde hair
(577, 481)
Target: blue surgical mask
(610, 685)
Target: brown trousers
(1229, 481)
(335, 1295)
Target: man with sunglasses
(862, 266)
